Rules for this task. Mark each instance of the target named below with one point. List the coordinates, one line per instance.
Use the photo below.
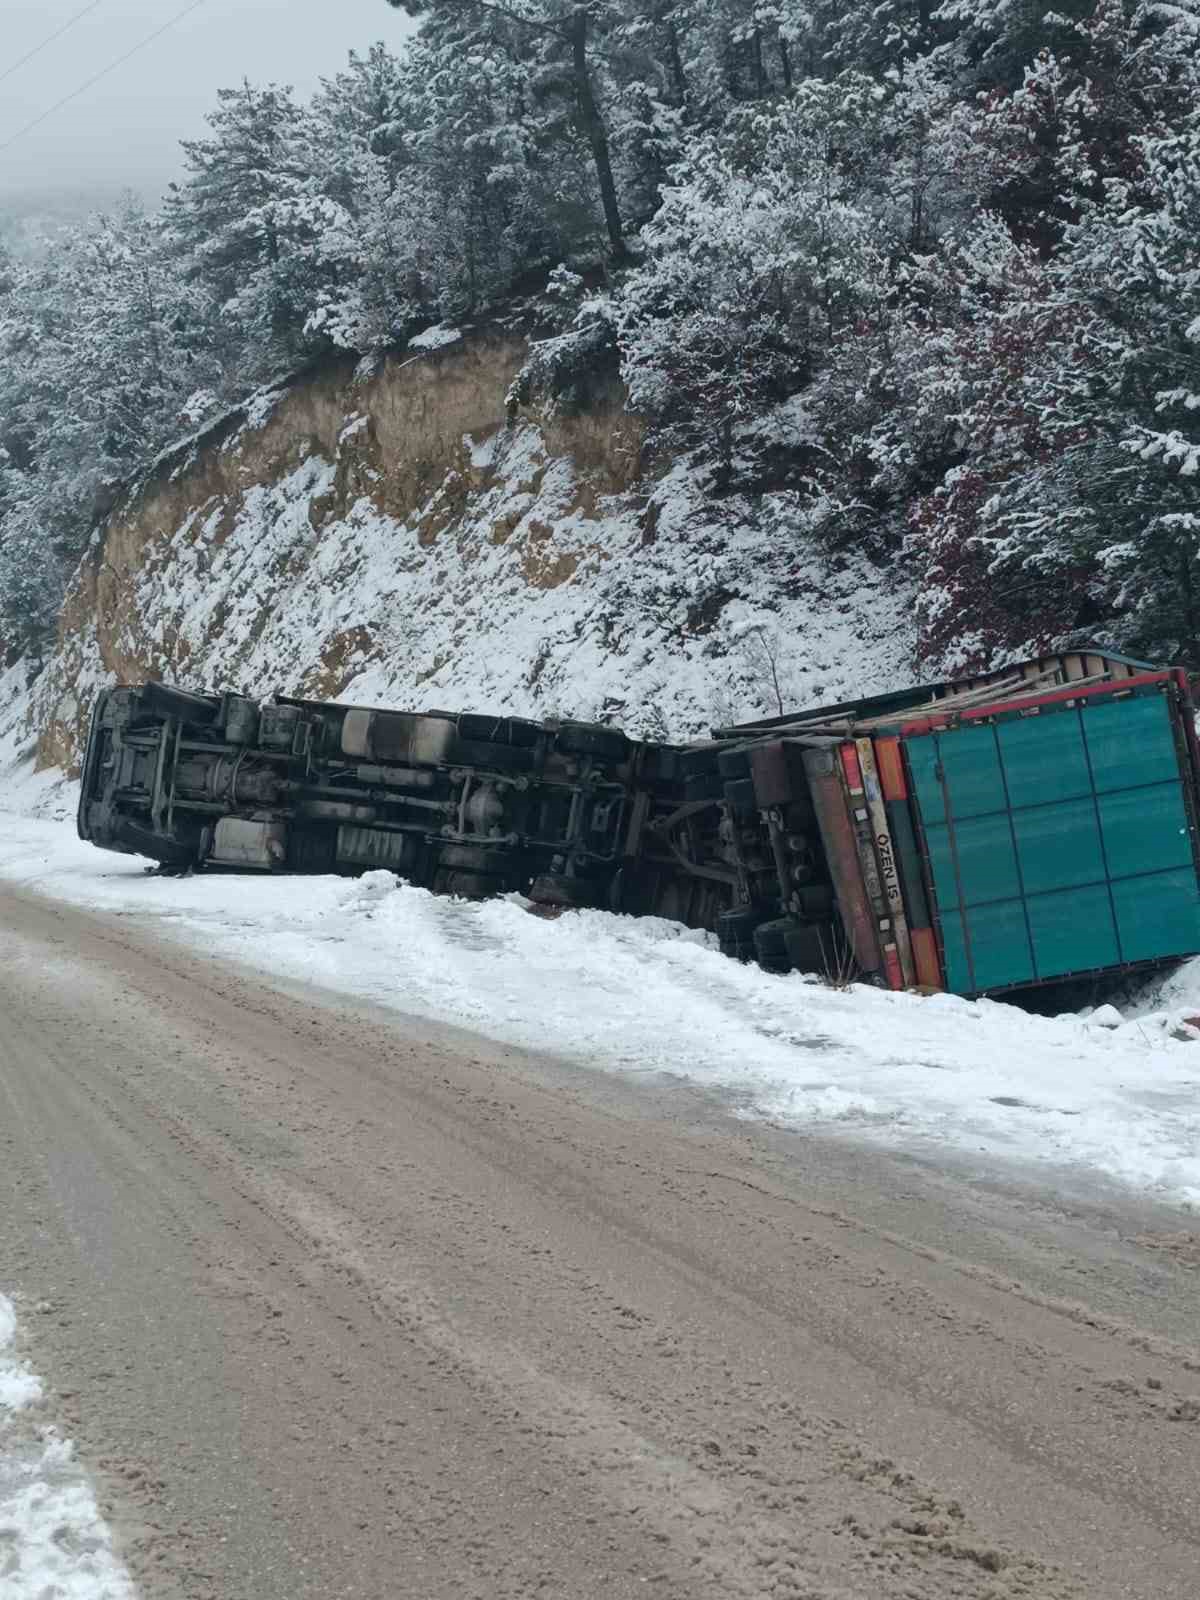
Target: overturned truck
(1019, 828)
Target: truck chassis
(812, 841)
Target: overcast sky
(124, 130)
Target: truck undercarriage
(829, 841)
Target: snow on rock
(1105, 1017)
(435, 338)
(646, 996)
(54, 1544)
(260, 406)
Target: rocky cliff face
(386, 535)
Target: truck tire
(160, 847)
(514, 731)
(770, 944)
(697, 760)
(660, 764)
(798, 814)
(468, 885)
(734, 763)
(810, 948)
(556, 889)
(486, 753)
(313, 849)
(475, 858)
(739, 796)
(739, 923)
(816, 901)
(165, 701)
(704, 786)
(592, 739)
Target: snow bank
(648, 996)
(54, 1545)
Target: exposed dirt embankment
(384, 533)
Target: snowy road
(336, 1304)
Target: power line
(57, 34)
(103, 73)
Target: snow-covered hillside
(386, 535)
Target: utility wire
(103, 73)
(57, 34)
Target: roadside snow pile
(18, 1386)
(648, 996)
(54, 1544)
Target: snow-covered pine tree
(559, 35)
(236, 216)
(100, 343)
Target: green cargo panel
(972, 767)
(986, 860)
(1157, 916)
(1145, 830)
(1041, 765)
(1058, 842)
(1059, 845)
(998, 955)
(1130, 742)
(1073, 931)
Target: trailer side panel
(1060, 838)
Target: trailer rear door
(1059, 838)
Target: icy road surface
(982, 1080)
